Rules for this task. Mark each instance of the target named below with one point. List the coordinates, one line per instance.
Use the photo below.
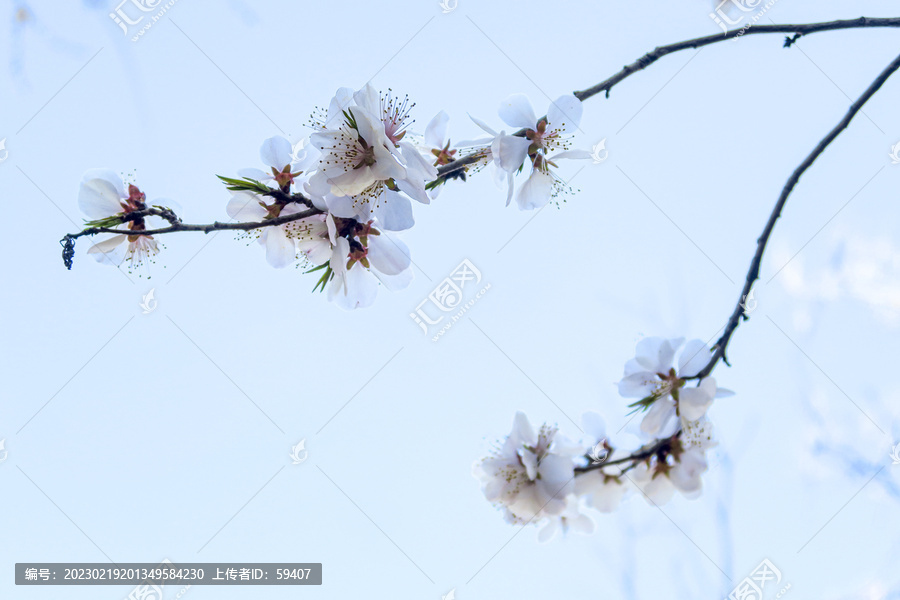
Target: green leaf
(245, 184)
(105, 222)
(325, 278)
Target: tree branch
(648, 59)
(753, 273)
(457, 168)
(799, 30)
(663, 445)
(179, 226)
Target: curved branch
(799, 30)
(216, 226)
(753, 273)
(651, 57)
(638, 455)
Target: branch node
(790, 41)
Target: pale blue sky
(135, 437)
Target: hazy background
(134, 437)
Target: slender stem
(216, 226)
(638, 455)
(753, 273)
(799, 30)
(651, 57)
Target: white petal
(509, 151)
(638, 385)
(693, 402)
(98, 199)
(281, 250)
(564, 114)
(110, 251)
(594, 425)
(245, 207)
(483, 125)
(343, 98)
(394, 212)
(369, 99)
(694, 356)
(658, 418)
(436, 131)
(522, 433)
(276, 152)
(395, 283)
(390, 256)
(571, 154)
(530, 462)
(342, 206)
(656, 354)
(362, 288)
(548, 531)
(516, 111)
(107, 175)
(535, 192)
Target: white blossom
(662, 389)
(101, 196)
(531, 475)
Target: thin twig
(216, 226)
(800, 30)
(753, 273)
(651, 57)
(638, 455)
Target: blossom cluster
(543, 477)
(340, 195)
